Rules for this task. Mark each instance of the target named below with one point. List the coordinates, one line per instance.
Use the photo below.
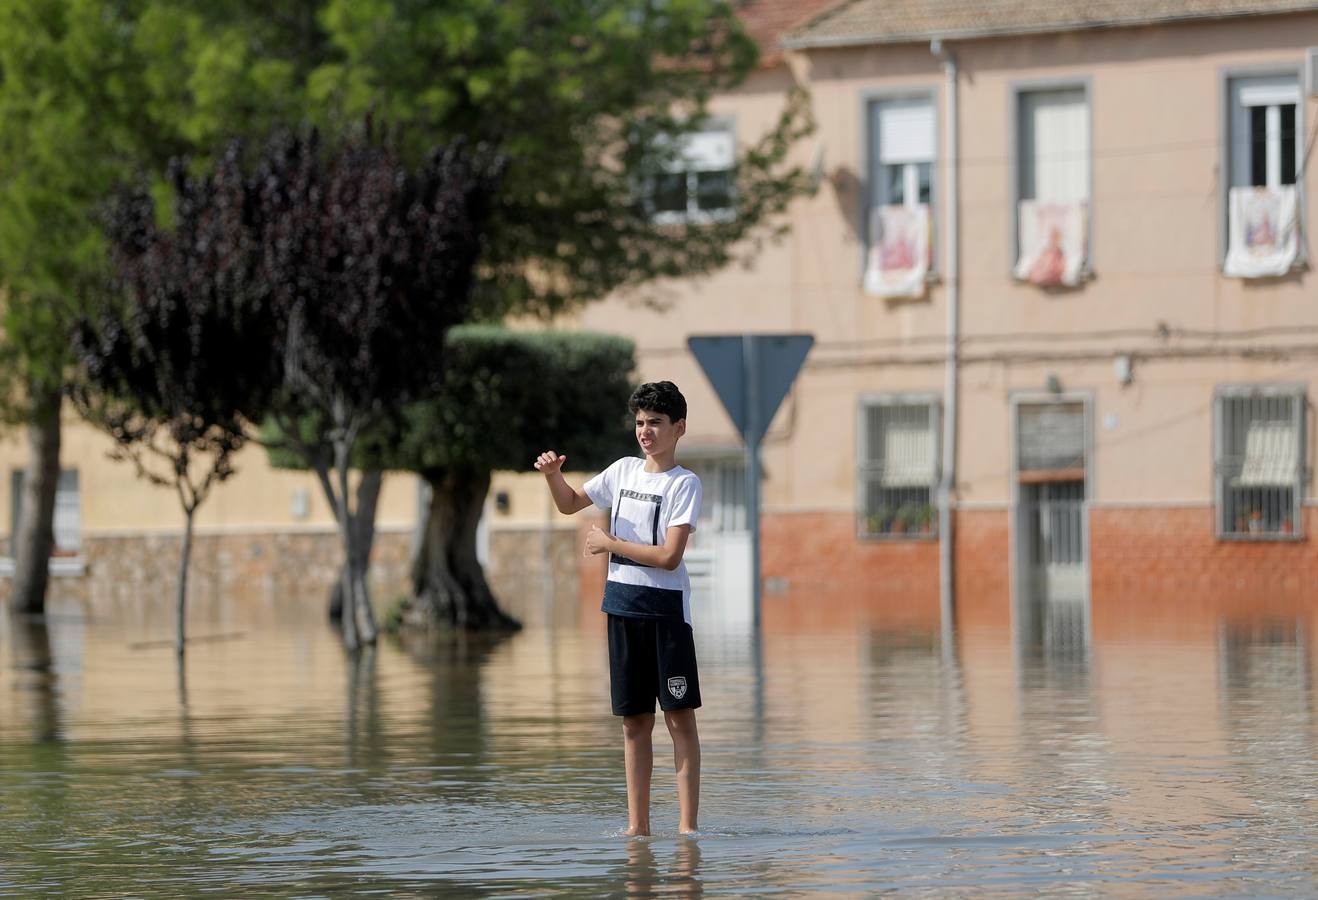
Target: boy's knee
(637, 726)
(680, 721)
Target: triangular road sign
(751, 373)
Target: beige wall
(1157, 156)
(114, 501)
(1157, 107)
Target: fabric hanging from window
(1263, 233)
(1052, 243)
(898, 259)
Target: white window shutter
(906, 131)
(1055, 161)
(709, 151)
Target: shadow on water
(33, 658)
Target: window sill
(891, 537)
(1086, 275)
(59, 567)
(1271, 537)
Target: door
(1051, 513)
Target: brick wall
(1148, 565)
(818, 573)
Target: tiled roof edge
(861, 40)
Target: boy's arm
(667, 555)
(566, 498)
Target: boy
(655, 504)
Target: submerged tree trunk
(448, 583)
(35, 537)
(180, 603)
(357, 618)
(363, 521)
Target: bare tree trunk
(349, 619)
(363, 520)
(36, 537)
(181, 600)
(448, 581)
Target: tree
(71, 126)
(506, 397)
(176, 354)
(590, 98)
(368, 265)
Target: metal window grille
(899, 469)
(1259, 457)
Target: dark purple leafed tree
(368, 264)
(174, 356)
(314, 289)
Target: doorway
(1051, 489)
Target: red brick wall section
(1148, 564)
(983, 568)
(818, 573)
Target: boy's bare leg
(686, 761)
(638, 754)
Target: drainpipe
(947, 482)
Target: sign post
(751, 373)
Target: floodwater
(848, 760)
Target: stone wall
(135, 577)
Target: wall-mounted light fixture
(1124, 368)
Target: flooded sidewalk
(843, 755)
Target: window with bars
(699, 181)
(1259, 461)
(898, 467)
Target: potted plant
(899, 520)
(1256, 522)
(926, 518)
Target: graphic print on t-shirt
(636, 519)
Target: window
(1262, 203)
(1264, 137)
(902, 151)
(898, 467)
(698, 183)
(1052, 215)
(67, 524)
(898, 220)
(1258, 456)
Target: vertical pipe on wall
(947, 480)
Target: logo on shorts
(677, 686)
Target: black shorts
(651, 658)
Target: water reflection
(850, 759)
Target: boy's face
(656, 433)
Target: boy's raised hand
(549, 462)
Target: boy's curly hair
(661, 397)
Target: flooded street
(848, 759)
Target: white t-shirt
(644, 506)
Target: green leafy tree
(70, 128)
(506, 396)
